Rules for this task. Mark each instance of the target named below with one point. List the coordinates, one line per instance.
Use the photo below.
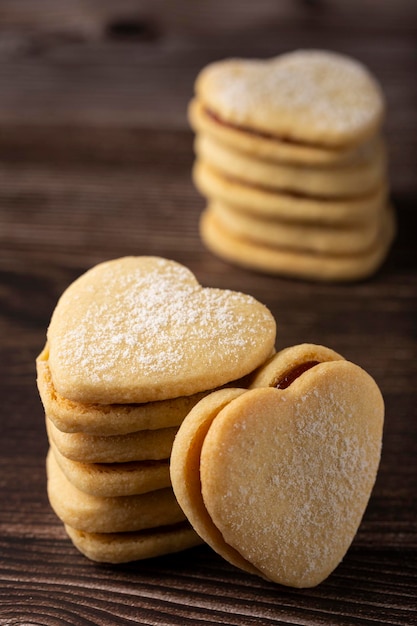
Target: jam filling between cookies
(289, 377)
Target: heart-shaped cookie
(314, 97)
(142, 329)
(276, 479)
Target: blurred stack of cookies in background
(291, 159)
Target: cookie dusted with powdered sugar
(142, 329)
(276, 478)
(314, 97)
(107, 419)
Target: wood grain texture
(95, 163)
(132, 64)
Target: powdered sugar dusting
(150, 323)
(323, 91)
(303, 483)
(331, 469)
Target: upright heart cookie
(276, 479)
(141, 329)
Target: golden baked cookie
(297, 263)
(311, 97)
(107, 419)
(133, 546)
(276, 479)
(272, 204)
(114, 479)
(344, 181)
(340, 240)
(185, 473)
(265, 146)
(143, 445)
(97, 514)
(142, 329)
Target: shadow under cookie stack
(291, 160)
(132, 346)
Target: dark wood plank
(65, 67)
(183, 19)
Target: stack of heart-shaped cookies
(291, 159)
(132, 346)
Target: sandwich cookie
(290, 207)
(144, 445)
(266, 146)
(321, 239)
(313, 97)
(345, 181)
(114, 479)
(276, 478)
(298, 263)
(133, 546)
(109, 514)
(107, 419)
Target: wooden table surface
(95, 160)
